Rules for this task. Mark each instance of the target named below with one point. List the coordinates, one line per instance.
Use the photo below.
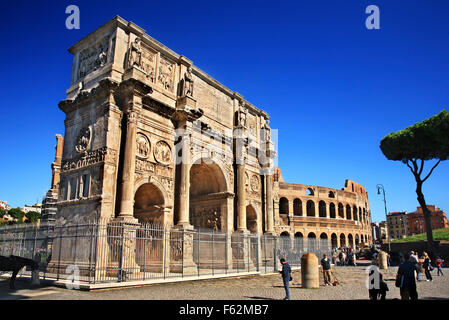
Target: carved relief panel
(166, 74)
(162, 153)
(93, 58)
(148, 62)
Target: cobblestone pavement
(266, 287)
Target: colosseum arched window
(341, 212)
(331, 194)
(332, 210)
(309, 192)
(354, 212)
(283, 205)
(297, 207)
(348, 212)
(310, 208)
(322, 209)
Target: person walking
(439, 265)
(326, 270)
(286, 277)
(415, 260)
(427, 267)
(405, 279)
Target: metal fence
(105, 251)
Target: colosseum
(343, 216)
(151, 138)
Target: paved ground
(265, 287)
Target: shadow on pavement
(260, 298)
(20, 284)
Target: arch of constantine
(151, 138)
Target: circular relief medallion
(255, 183)
(162, 152)
(83, 140)
(143, 146)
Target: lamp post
(381, 187)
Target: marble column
(241, 197)
(184, 180)
(129, 167)
(270, 214)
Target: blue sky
(333, 88)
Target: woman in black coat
(426, 266)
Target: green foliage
(438, 234)
(32, 216)
(424, 140)
(17, 213)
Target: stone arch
(312, 242)
(341, 211)
(214, 161)
(348, 212)
(285, 234)
(208, 194)
(357, 240)
(299, 235)
(342, 240)
(297, 207)
(149, 203)
(332, 211)
(331, 194)
(283, 205)
(334, 241)
(153, 180)
(350, 240)
(310, 192)
(252, 219)
(322, 209)
(354, 213)
(310, 208)
(311, 235)
(323, 235)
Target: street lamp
(381, 187)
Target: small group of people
(326, 269)
(344, 256)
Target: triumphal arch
(151, 138)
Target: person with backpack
(286, 277)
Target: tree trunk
(427, 217)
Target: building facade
(398, 225)
(151, 138)
(417, 224)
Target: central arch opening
(207, 195)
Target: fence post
(164, 265)
(120, 259)
(199, 245)
(213, 240)
(182, 252)
(145, 230)
(59, 253)
(35, 240)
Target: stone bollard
(383, 260)
(309, 271)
